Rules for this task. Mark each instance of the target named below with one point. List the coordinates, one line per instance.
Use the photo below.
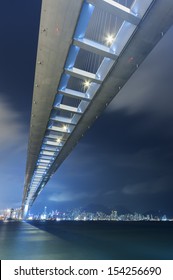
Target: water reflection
(70, 240)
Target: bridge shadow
(112, 240)
(76, 232)
(101, 239)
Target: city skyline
(79, 214)
(126, 156)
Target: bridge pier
(24, 211)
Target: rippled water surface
(86, 240)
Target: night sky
(125, 158)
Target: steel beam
(51, 143)
(62, 120)
(75, 94)
(59, 129)
(67, 108)
(46, 153)
(50, 149)
(52, 137)
(116, 9)
(95, 47)
(84, 75)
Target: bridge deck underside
(57, 29)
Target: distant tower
(114, 215)
(45, 212)
(11, 213)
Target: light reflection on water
(81, 240)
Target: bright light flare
(109, 39)
(86, 84)
(58, 140)
(65, 127)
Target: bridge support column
(25, 211)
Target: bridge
(87, 51)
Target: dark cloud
(160, 185)
(150, 88)
(13, 131)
